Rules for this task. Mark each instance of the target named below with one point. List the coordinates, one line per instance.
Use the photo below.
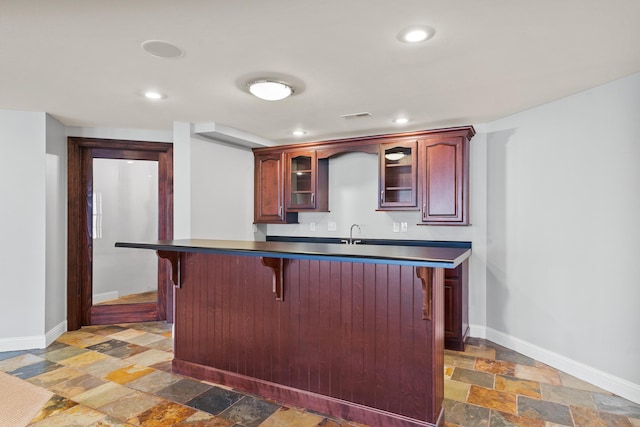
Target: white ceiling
(81, 61)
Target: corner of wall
(55, 333)
(181, 180)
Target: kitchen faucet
(351, 241)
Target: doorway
(106, 286)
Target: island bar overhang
(356, 332)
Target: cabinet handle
(424, 209)
(382, 196)
(280, 210)
(313, 198)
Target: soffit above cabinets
(229, 135)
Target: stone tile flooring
(120, 375)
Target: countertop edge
(307, 251)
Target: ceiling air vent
(356, 116)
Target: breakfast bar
(353, 331)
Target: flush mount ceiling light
(162, 49)
(416, 34)
(394, 156)
(270, 90)
(397, 153)
(154, 95)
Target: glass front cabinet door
(398, 176)
(302, 180)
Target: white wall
(562, 260)
(221, 190)
(23, 167)
(118, 133)
(56, 229)
(181, 180)
(353, 198)
(213, 187)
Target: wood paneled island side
(353, 331)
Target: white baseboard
(105, 296)
(604, 380)
(54, 333)
(22, 343)
(36, 341)
(477, 331)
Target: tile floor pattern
(120, 375)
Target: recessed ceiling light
(401, 120)
(162, 49)
(416, 34)
(152, 94)
(299, 132)
(270, 90)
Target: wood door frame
(81, 152)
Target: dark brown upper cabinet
(269, 190)
(426, 171)
(398, 176)
(444, 177)
(307, 182)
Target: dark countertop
(442, 257)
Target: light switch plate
(396, 227)
(331, 226)
(312, 226)
(403, 227)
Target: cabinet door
(398, 164)
(269, 188)
(301, 192)
(444, 166)
(456, 306)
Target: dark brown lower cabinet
(358, 341)
(456, 307)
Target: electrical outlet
(396, 227)
(312, 226)
(403, 227)
(331, 226)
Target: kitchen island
(353, 331)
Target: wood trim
(102, 153)
(366, 144)
(120, 144)
(86, 256)
(301, 398)
(277, 265)
(436, 326)
(175, 261)
(81, 152)
(75, 246)
(426, 276)
(165, 228)
(123, 313)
